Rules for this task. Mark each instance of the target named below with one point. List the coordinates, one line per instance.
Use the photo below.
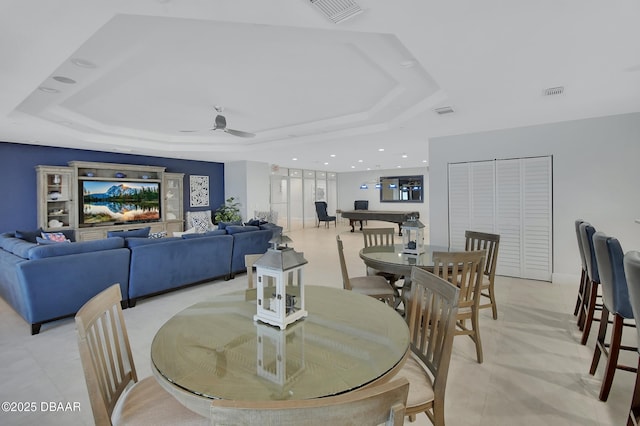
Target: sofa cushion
(29, 236)
(223, 225)
(52, 250)
(235, 229)
(205, 234)
(142, 232)
(277, 230)
(17, 246)
(141, 241)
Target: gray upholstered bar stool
(632, 271)
(581, 299)
(615, 301)
(593, 279)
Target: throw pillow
(44, 241)
(201, 224)
(253, 222)
(29, 236)
(53, 236)
(156, 235)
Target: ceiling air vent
(337, 10)
(553, 91)
(444, 110)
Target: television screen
(119, 202)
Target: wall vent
(337, 10)
(553, 91)
(444, 110)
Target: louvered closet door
(537, 219)
(516, 204)
(459, 203)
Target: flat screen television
(117, 202)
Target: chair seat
(372, 286)
(420, 385)
(147, 403)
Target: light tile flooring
(535, 372)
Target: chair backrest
(580, 248)
(431, 310)
(249, 260)
(361, 205)
(586, 235)
(484, 241)
(201, 220)
(610, 259)
(632, 272)
(375, 405)
(105, 352)
(321, 209)
(378, 236)
(464, 270)
(346, 284)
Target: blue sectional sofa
(48, 282)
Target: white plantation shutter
(512, 198)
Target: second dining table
(214, 349)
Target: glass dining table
(214, 349)
(393, 260)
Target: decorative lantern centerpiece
(412, 236)
(280, 290)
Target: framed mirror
(402, 189)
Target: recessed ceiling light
(83, 63)
(353, 167)
(360, 161)
(424, 161)
(294, 159)
(48, 89)
(326, 164)
(63, 79)
(404, 155)
(380, 149)
(399, 167)
(332, 155)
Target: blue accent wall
(18, 204)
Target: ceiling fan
(221, 124)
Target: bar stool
(593, 280)
(581, 299)
(632, 271)
(615, 300)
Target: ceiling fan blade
(239, 133)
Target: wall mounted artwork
(199, 190)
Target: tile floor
(535, 371)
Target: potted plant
(228, 212)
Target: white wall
(248, 183)
(349, 191)
(595, 178)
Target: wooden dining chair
(375, 405)
(432, 307)
(374, 237)
(464, 269)
(372, 285)
(111, 375)
(249, 260)
(489, 242)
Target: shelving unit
(59, 192)
(56, 206)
